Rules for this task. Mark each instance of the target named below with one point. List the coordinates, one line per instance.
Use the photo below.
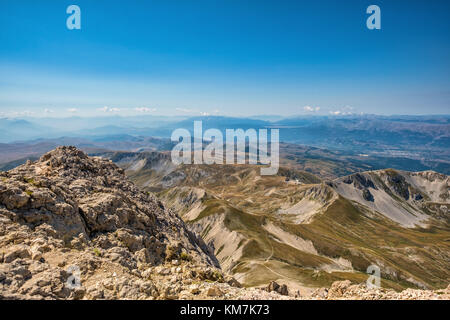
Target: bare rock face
(345, 290)
(361, 182)
(275, 287)
(367, 195)
(338, 288)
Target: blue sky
(231, 57)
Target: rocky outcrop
(346, 290)
(359, 181)
(398, 184)
(275, 287)
(408, 198)
(367, 195)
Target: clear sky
(228, 57)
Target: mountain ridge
(244, 216)
(67, 209)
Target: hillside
(297, 230)
(74, 227)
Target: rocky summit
(74, 227)
(68, 211)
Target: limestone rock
(214, 292)
(275, 287)
(338, 288)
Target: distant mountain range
(402, 142)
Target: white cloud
(108, 109)
(72, 110)
(311, 109)
(186, 110)
(25, 113)
(145, 109)
(344, 111)
(202, 113)
(46, 110)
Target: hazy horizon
(44, 115)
